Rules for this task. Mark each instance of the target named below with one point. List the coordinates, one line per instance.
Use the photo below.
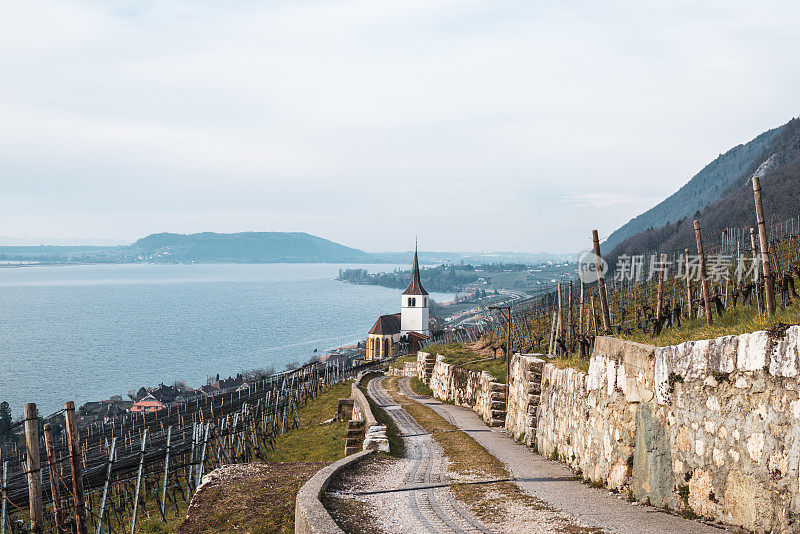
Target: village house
(147, 404)
(109, 412)
(208, 391)
(228, 384)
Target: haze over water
(86, 332)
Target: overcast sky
(476, 125)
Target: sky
(473, 125)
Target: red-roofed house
(148, 403)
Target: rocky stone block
(751, 353)
(618, 476)
(747, 502)
(653, 477)
(722, 354)
(376, 439)
(784, 354)
(701, 494)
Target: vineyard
(145, 467)
(743, 281)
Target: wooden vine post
(560, 325)
(104, 499)
(508, 340)
(660, 295)
(580, 308)
(138, 482)
(769, 290)
(76, 470)
(3, 482)
(703, 278)
(55, 489)
(754, 248)
(166, 473)
(34, 482)
(601, 283)
(689, 306)
(569, 325)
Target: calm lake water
(86, 332)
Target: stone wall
(310, 516)
(477, 390)
(363, 430)
(524, 390)
(730, 407)
(707, 427)
(409, 369)
(425, 364)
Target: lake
(86, 332)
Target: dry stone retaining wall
(363, 430)
(409, 369)
(477, 390)
(524, 391)
(425, 364)
(708, 427)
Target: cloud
(343, 117)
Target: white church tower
(414, 305)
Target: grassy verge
(396, 446)
(455, 353)
(494, 366)
(251, 498)
(741, 320)
(420, 388)
(573, 361)
(153, 525)
(314, 441)
(398, 363)
(463, 356)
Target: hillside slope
(244, 247)
(706, 187)
(779, 168)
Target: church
(410, 326)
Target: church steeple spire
(415, 287)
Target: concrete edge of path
(310, 516)
(555, 484)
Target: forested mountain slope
(703, 189)
(778, 166)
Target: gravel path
(434, 510)
(365, 499)
(553, 483)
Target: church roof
(415, 287)
(387, 325)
